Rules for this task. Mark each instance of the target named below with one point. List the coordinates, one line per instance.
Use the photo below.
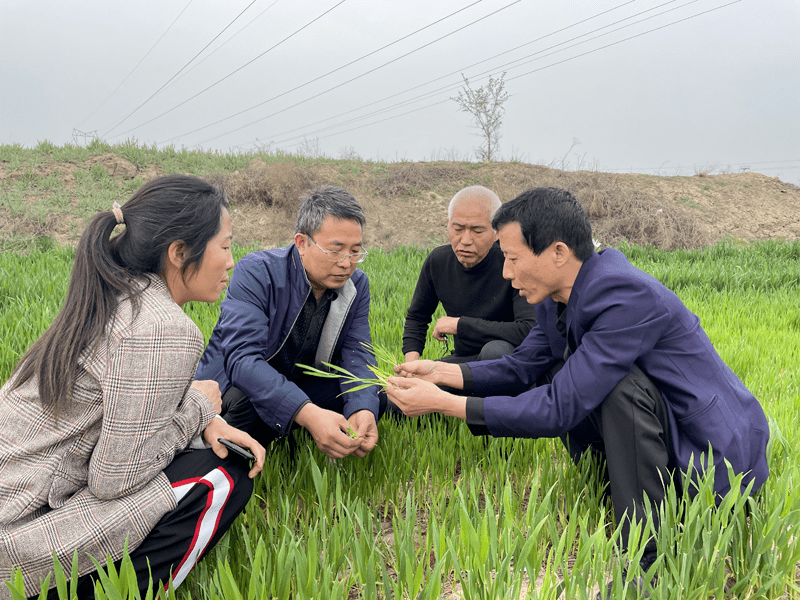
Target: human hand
(218, 428)
(363, 423)
(210, 388)
(445, 326)
(418, 397)
(329, 430)
(421, 369)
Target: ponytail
(165, 210)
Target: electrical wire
(352, 62)
(181, 69)
(493, 71)
(231, 73)
(315, 96)
(496, 70)
(210, 54)
(535, 70)
(137, 65)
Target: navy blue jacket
(616, 316)
(265, 295)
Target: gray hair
(327, 201)
(475, 193)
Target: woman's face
(211, 278)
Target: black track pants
(211, 492)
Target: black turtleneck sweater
(487, 306)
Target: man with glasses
(307, 304)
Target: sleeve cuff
(475, 418)
(469, 383)
(294, 416)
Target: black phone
(243, 452)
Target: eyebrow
(457, 224)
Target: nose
(508, 271)
(466, 237)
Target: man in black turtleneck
(487, 317)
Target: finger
(367, 444)
(219, 449)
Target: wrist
(448, 374)
(306, 414)
(453, 406)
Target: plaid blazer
(93, 477)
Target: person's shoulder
(157, 310)
(443, 251)
(265, 258)
(441, 256)
(610, 273)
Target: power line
(137, 64)
(493, 71)
(210, 54)
(496, 70)
(541, 68)
(232, 72)
(181, 69)
(364, 74)
(322, 76)
(388, 97)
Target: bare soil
(406, 203)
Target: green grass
(434, 511)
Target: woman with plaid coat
(98, 415)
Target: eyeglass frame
(362, 255)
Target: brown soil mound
(406, 203)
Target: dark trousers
(489, 351)
(211, 493)
(239, 412)
(629, 430)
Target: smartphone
(236, 448)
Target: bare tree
(485, 104)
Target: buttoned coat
(93, 476)
(618, 316)
(267, 290)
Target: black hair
(547, 215)
(173, 208)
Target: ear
(562, 253)
(300, 241)
(176, 254)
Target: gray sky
(719, 89)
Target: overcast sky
(699, 84)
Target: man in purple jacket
(616, 364)
(308, 304)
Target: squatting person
(96, 417)
(485, 315)
(307, 304)
(616, 365)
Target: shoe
(637, 583)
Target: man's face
(335, 235)
(470, 231)
(535, 277)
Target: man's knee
(495, 349)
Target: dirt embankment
(406, 203)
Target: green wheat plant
(336, 372)
(434, 512)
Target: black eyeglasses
(336, 256)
